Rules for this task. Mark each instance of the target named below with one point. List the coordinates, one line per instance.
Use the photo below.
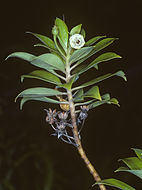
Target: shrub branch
(75, 130)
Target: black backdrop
(109, 132)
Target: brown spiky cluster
(62, 124)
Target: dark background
(29, 157)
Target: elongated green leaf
(45, 40)
(116, 183)
(138, 152)
(137, 173)
(43, 99)
(76, 30)
(94, 40)
(42, 75)
(99, 79)
(102, 58)
(93, 93)
(63, 32)
(22, 55)
(33, 60)
(105, 57)
(84, 103)
(80, 53)
(50, 60)
(133, 163)
(99, 46)
(39, 92)
(60, 47)
(41, 45)
(97, 103)
(104, 43)
(79, 96)
(83, 33)
(51, 50)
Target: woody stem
(75, 131)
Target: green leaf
(116, 183)
(99, 46)
(102, 58)
(41, 45)
(45, 40)
(83, 33)
(63, 32)
(133, 163)
(93, 93)
(51, 50)
(22, 55)
(106, 97)
(103, 43)
(39, 92)
(49, 60)
(94, 40)
(138, 152)
(42, 75)
(99, 79)
(34, 60)
(79, 96)
(137, 173)
(76, 30)
(105, 57)
(84, 103)
(114, 101)
(69, 84)
(121, 74)
(97, 103)
(43, 99)
(80, 53)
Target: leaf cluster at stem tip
(63, 64)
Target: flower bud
(55, 30)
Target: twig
(78, 142)
(75, 129)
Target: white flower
(77, 41)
